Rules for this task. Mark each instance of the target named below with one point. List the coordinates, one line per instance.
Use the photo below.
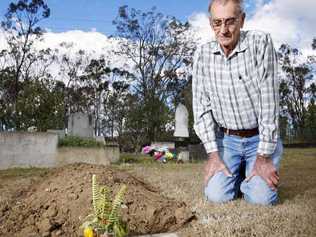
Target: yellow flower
(88, 232)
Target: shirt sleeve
(268, 118)
(204, 124)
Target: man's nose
(224, 28)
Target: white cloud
(201, 26)
(89, 41)
(288, 21)
(94, 44)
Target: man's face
(226, 21)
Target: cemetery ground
(179, 186)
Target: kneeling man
(236, 108)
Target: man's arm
(269, 98)
(268, 114)
(204, 125)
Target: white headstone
(182, 122)
(184, 156)
(80, 124)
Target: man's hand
(265, 169)
(214, 164)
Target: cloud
(201, 26)
(89, 41)
(94, 44)
(288, 21)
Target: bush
(135, 158)
(74, 141)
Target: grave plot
(56, 204)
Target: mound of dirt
(58, 203)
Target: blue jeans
(234, 150)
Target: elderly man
(236, 108)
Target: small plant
(75, 141)
(105, 220)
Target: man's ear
(210, 21)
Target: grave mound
(57, 204)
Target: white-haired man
(236, 108)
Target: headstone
(81, 125)
(182, 122)
(183, 156)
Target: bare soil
(54, 202)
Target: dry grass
(294, 216)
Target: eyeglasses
(231, 21)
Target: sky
(288, 21)
(98, 14)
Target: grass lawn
(294, 216)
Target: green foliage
(106, 218)
(295, 93)
(74, 141)
(39, 104)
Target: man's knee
(266, 199)
(218, 193)
(217, 197)
(256, 191)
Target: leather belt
(242, 132)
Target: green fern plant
(106, 218)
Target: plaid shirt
(240, 91)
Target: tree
(96, 83)
(21, 31)
(158, 48)
(72, 65)
(310, 120)
(293, 87)
(41, 105)
(133, 135)
(6, 95)
(115, 105)
(37, 73)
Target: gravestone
(81, 125)
(181, 132)
(182, 122)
